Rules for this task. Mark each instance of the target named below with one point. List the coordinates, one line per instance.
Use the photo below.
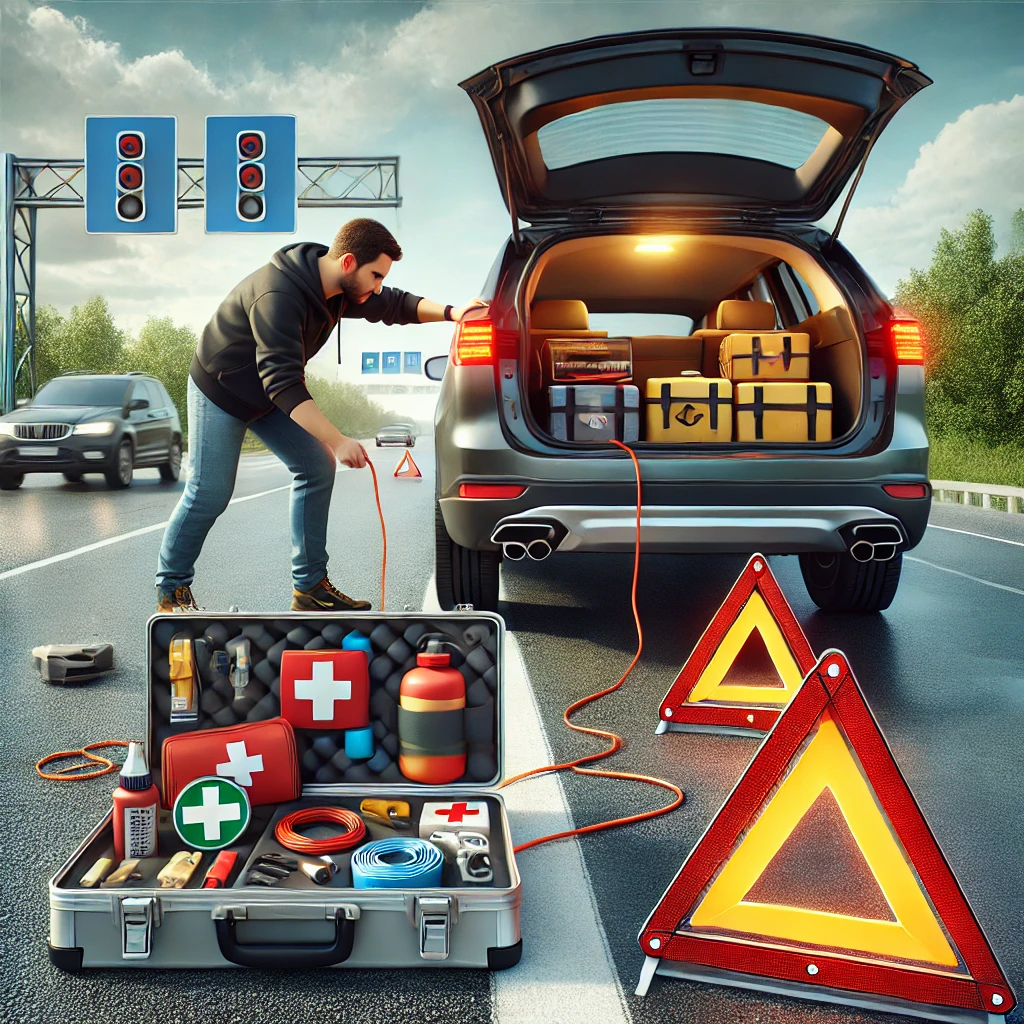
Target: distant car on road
(82, 423)
(397, 434)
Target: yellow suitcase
(784, 411)
(688, 408)
(765, 356)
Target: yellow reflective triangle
(755, 614)
(827, 763)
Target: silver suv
(671, 181)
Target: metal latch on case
(138, 916)
(434, 918)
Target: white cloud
(977, 161)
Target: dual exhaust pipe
(875, 542)
(529, 538)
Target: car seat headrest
(745, 315)
(559, 315)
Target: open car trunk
(594, 368)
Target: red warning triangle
(705, 695)
(411, 470)
(719, 921)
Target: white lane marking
(96, 545)
(966, 576)
(567, 973)
(983, 536)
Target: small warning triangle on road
(756, 904)
(748, 664)
(412, 471)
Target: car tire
(73, 478)
(119, 476)
(837, 582)
(378, 444)
(171, 469)
(464, 576)
(11, 481)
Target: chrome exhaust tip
(862, 550)
(538, 550)
(513, 550)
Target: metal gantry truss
(28, 185)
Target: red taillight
(905, 490)
(490, 490)
(900, 339)
(480, 343)
(907, 341)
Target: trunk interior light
(654, 245)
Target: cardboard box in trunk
(688, 408)
(765, 356)
(783, 412)
(595, 412)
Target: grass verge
(956, 458)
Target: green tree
(347, 407)
(971, 304)
(165, 351)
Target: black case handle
(276, 955)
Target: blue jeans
(214, 444)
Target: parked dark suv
(92, 423)
(672, 181)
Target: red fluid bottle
(431, 727)
(136, 806)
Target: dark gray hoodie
(253, 352)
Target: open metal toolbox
(458, 924)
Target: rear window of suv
(630, 325)
(732, 127)
(71, 391)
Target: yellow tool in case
(689, 408)
(764, 355)
(784, 411)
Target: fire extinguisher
(431, 727)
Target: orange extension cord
(383, 531)
(617, 742)
(285, 832)
(64, 774)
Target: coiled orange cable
(616, 741)
(286, 835)
(66, 774)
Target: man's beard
(352, 293)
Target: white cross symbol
(211, 814)
(240, 765)
(323, 690)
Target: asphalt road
(943, 671)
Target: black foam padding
(450, 878)
(472, 644)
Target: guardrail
(993, 496)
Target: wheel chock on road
(411, 472)
(746, 667)
(820, 879)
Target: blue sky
(381, 78)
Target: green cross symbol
(211, 813)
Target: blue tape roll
(398, 863)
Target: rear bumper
(696, 528)
(694, 517)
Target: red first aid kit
(259, 756)
(325, 689)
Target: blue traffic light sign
(250, 170)
(131, 175)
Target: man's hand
(458, 314)
(350, 453)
